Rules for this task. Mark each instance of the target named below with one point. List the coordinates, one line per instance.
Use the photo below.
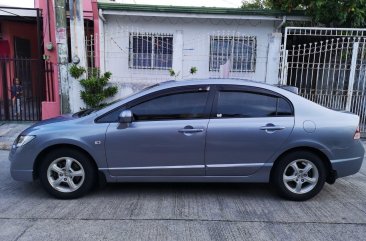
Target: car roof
(214, 81)
(176, 83)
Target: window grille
(240, 50)
(150, 51)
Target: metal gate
(328, 65)
(22, 101)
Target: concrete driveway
(181, 212)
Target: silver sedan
(216, 130)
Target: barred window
(151, 51)
(241, 51)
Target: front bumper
(21, 163)
(22, 175)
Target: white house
(141, 44)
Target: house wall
(23, 30)
(50, 108)
(11, 29)
(88, 9)
(194, 50)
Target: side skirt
(261, 176)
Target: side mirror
(125, 117)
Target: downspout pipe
(284, 18)
(101, 16)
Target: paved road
(181, 212)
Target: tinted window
(246, 105)
(283, 108)
(176, 106)
(111, 117)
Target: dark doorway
(22, 48)
(22, 52)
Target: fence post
(351, 79)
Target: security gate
(22, 101)
(328, 65)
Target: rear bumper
(349, 166)
(346, 167)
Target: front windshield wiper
(84, 112)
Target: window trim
(169, 91)
(247, 89)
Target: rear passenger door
(246, 128)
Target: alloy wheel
(65, 174)
(300, 176)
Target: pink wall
(88, 9)
(96, 32)
(22, 30)
(50, 108)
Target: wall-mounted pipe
(101, 15)
(284, 18)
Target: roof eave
(18, 12)
(200, 16)
(198, 12)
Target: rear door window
(240, 104)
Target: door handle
(190, 129)
(271, 128)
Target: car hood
(40, 124)
(60, 118)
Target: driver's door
(166, 137)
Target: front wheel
(299, 175)
(67, 173)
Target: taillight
(357, 134)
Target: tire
(299, 176)
(67, 173)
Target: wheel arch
(313, 150)
(48, 149)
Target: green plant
(173, 74)
(95, 86)
(253, 4)
(96, 89)
(333, 13)
(193, 70)
(76, 71)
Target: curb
(5, 146)
(9, 131)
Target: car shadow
(254, 190)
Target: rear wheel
(67, 173)
(299, 175)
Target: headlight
(22, 140)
